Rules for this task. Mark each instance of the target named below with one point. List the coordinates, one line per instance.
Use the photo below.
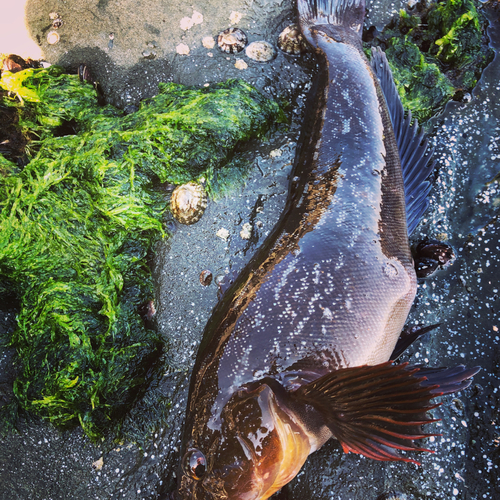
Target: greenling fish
(299, 349)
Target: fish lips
(272, 438)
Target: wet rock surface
(131, 46)
(41, 462)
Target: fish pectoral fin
(376, 410)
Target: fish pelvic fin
(417, 163)
(408, 336)
(347, 13)
(377, 410)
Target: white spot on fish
(346, 126)
(391, 270)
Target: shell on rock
(232, 40)
(188, 202)
(57, 23)
(261, 51)
(84, 73)
(14, 63)
(292, 41)
(206, 277)
(52, 37)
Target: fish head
(257, 449)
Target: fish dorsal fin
(416, 160)
(376, 410)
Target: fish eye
(195, 463)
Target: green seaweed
(436, 54)
(458, 23)
(422, 86)
(77, 223)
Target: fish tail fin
(377, 410)
(347, 13)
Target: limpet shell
(52, 37)
(188, 202)
(261, 51)
(292, 41)
(232, 40)
(57, 23)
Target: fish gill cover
(436, 52)
(77, 222)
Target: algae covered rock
(436, 53)
(77, 223)
(421, 84)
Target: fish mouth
(281, 459)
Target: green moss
(436, 54)
(77, 222)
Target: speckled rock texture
(43, 463)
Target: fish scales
(329, 291)
(333, 283)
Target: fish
(301, 348)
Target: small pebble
(98, 464)
(240, 64)
(246, 231)
(223, 234)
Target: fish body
(315, 316)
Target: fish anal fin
(377, 410)
(416, 158)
